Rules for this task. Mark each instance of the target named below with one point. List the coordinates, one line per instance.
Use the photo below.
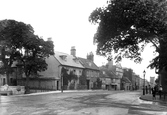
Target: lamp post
(144, 73)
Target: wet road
(81, 103)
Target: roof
(68, 60)
(125, 79)
(105, 72)
(88, 64)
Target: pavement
(52, 92)
(149, 97)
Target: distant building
(135, 81)
(128, 73)
(117, 70)
(108, 78)
(152, 81)
(141, 83)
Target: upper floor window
(63, 57)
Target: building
(91, 71)
(117, 71)
(56, 63)
(136, 82)
(141, 84)
(107, 77)
(126, 83)
(152, 81)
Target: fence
(40, 84)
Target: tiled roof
(68, 60)
(88, 64)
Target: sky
(66, 22)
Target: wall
(118, 82)
(52, 69)
(15, 90)
(40, 84)
(92, 76)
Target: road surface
(81, 103)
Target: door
(4, 81)
(87, 83)
(57, 85)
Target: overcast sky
(66, 21)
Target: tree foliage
(64, 74)
(68, 77)
(127, 26)
(82, 78)
(157, 81)
(20, 44)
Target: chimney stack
(73, 51)
(50, 39)
(90, 56)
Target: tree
(36, 52)
(24, 47)
(157, 80)
(127, 26)
(12, 35)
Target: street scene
(83, 57)
(81, 103)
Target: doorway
(4, 81)
(87, 81)
(57, 85)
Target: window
(63, 57)
(74, 71)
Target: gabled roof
(68, 60)
(88, 64)
(107, 73)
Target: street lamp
(144, 73)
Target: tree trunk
(162, 64)
(7, 78)
(27, 85)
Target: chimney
(110, 62)
(49, 39)
(73, 51)
(90, 56)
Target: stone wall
(15, 90)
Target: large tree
(127, 26)
(12, 35)
(20, 44)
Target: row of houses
(81, 73)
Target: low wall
(16, 90)
(40, 84)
